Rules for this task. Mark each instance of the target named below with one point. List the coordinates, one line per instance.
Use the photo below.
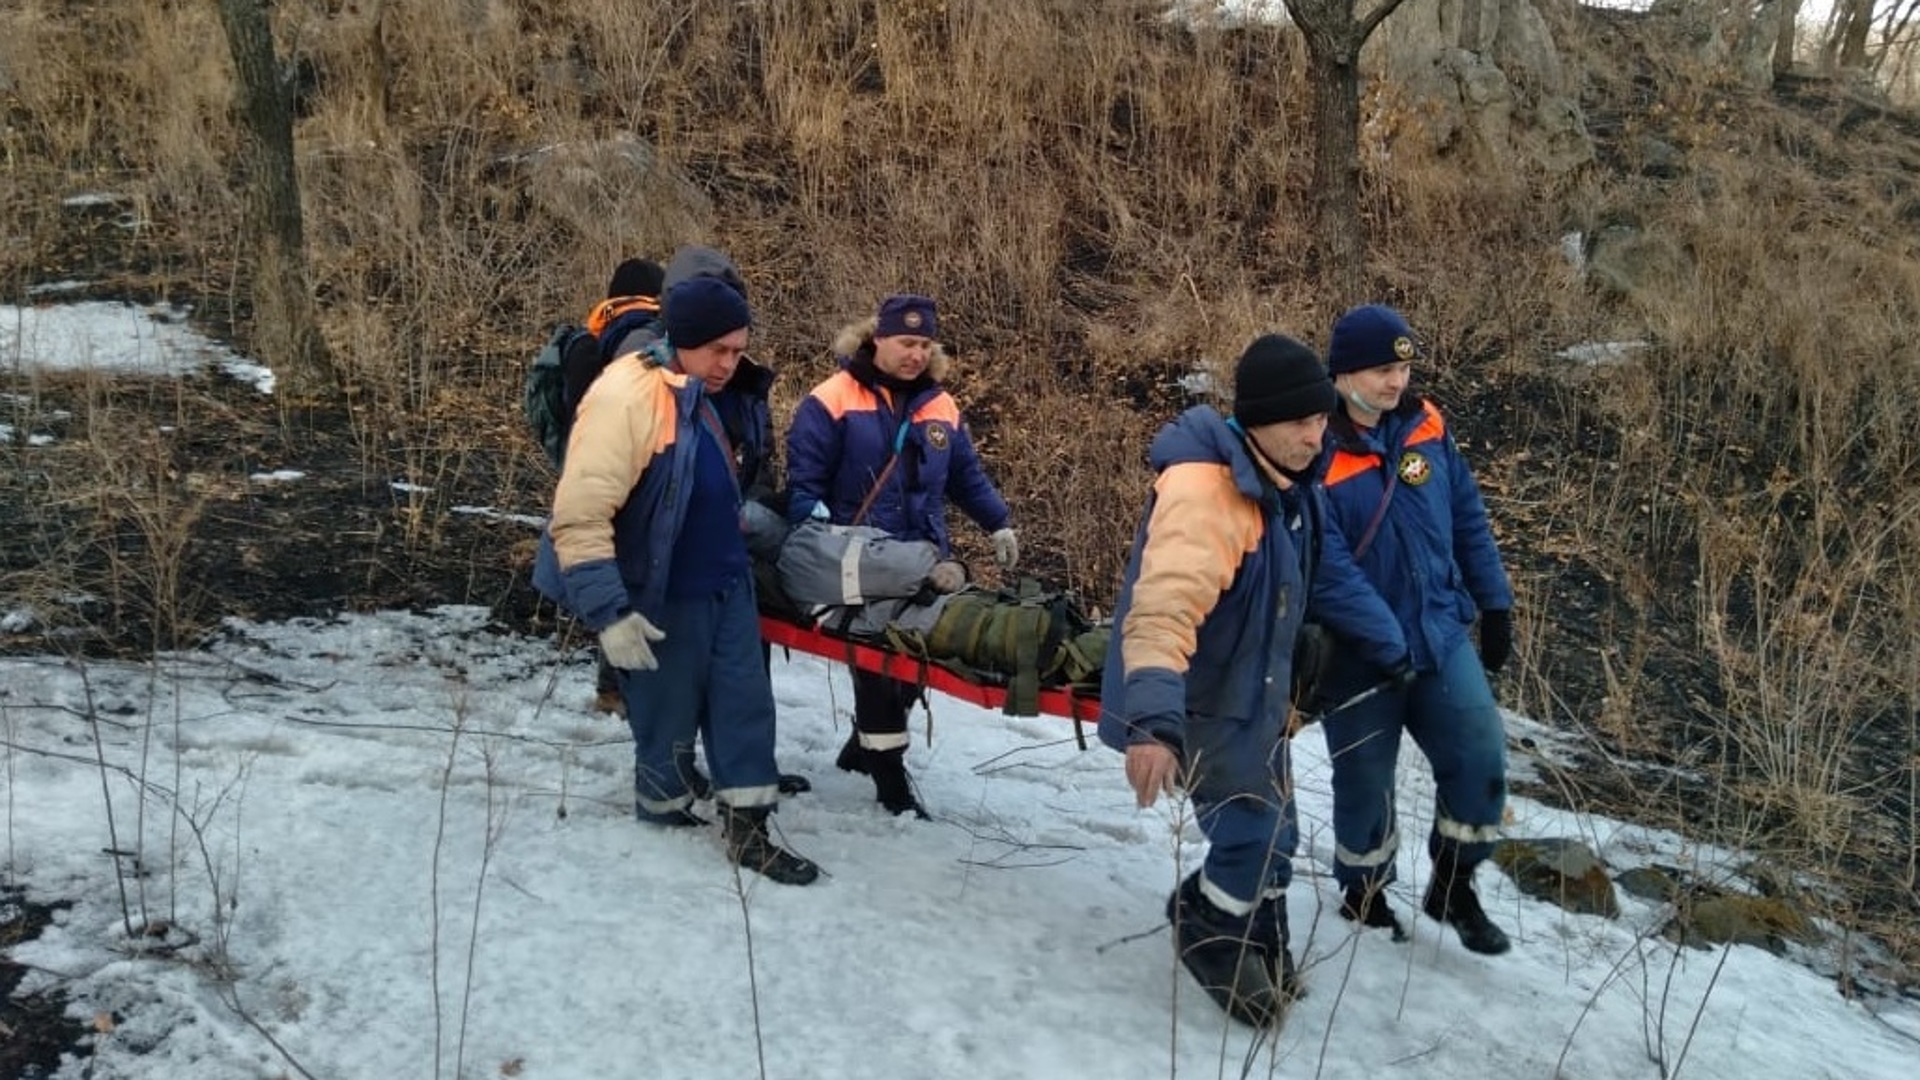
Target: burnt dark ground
(34, 1030)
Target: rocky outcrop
(1488, 77)
(590, 183)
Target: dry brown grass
(1103, 201)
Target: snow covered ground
(404, 847)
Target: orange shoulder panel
(941, 407)
(841, 393)
(1346, 465)
(1432, 426)
(1200, 531)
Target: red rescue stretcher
(1064, 702)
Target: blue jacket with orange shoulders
(1432, 553)
(1226, 564)
(623, 493)
(852, 423)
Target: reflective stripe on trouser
(1242, 792)
(880, 706)
(1452, 717)
(712, 684)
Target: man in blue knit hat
(1406, 503)
(882, 442)
(658, 568)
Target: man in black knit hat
(632, 302)
(1229, 554)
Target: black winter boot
(690, 772)
(1451, 900)
(1270, 931)
(702, 786)
(892, 787)
(853, 756)
(681, 818)
(1222, 954)
(750, 847)
(1367, 905)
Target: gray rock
(1560, 871)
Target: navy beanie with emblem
(905, 313)
(1279, 379)
(700, 309)
(1369, 336)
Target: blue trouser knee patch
(1243, 797)
(1452, 717)
(1457, 724)
(712, 684)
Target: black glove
(1401, 675)
(1496, 639)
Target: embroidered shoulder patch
(937, 435)
(1415, 469)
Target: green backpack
(544, 397)
(1029, 637)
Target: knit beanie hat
(701, 309)
(636, 277)
(1370, 336)
(1280, 379)
(905, 313)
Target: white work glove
(947, 576)
(624, 644)
(1006, 548)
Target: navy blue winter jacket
(1432, 554)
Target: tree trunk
(1336, 175)
(286, 325)
(1334, 37)
(1757, 55)
(1785, 45)
(1848, 46)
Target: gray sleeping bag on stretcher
(840, 565)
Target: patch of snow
(502, 515)
(1573, 247)
(100, 335)
(35, 439)
(277, 476)
(94, 198)
(17, 621)
(1228, 13)
(412, 842)
(1199, 383)
(51, 287)
(406, 488)
(1598, 353)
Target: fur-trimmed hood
(856, 338)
